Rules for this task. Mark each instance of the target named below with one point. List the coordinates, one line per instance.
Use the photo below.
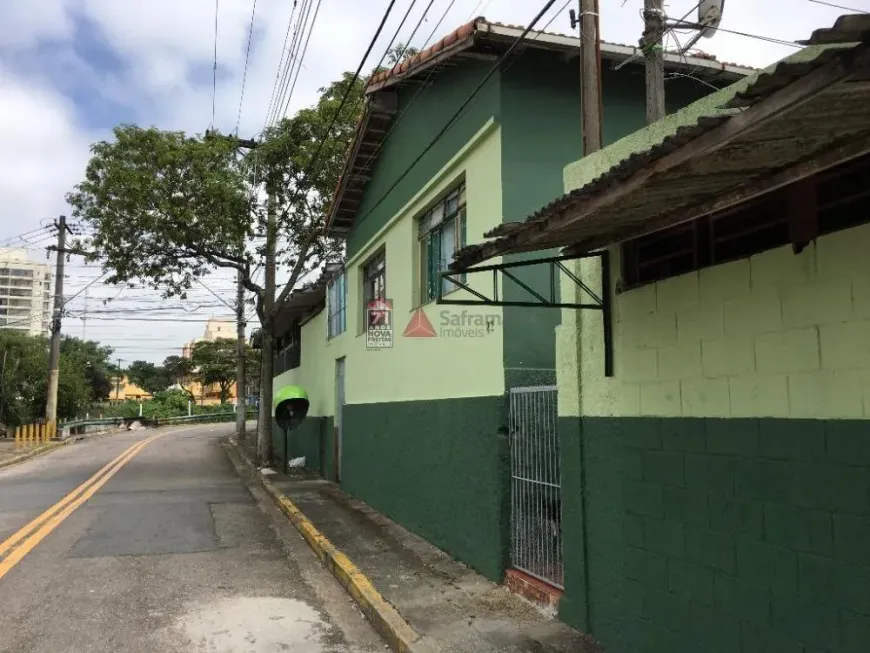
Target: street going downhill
(150, 541)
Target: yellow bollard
(43, 432)
(17, 438)
(52, 426)
(30, 435)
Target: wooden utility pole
(54, 352)
(590, 81)
(264, 417)
(653, 35)
(241, 344)
(241, 380)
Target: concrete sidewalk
(451, 607)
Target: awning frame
(555, 265)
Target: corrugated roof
(478, 35)
(652, 186)
(848, 29)
(306, 301)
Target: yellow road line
(25, 530)
(68, 507)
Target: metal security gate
(536, 495)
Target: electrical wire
(245, 73)
(290, 63)
(371, 159)
(280, 64)
(350, 87)
(830, 4)
(461, 108)
(214, 67)
(301, 59)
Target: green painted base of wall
(746, 535)
(440, 469)
(313, 439)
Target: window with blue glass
(442, 233)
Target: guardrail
(76, 425)
(204, 417)
(34, 435)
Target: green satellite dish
(290, 406)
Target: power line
(301, 21)
(245, 73)
(350, 87)
(462, 107)
(301, 58)
(371, 159)
(214, 68)
(272, 97)
(830, 4)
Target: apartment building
(25, 293)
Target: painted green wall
(541, 135)
(422, 118)
(723, 474)
(772, 335)
(442, 367)
(439, 468)
(745, 535)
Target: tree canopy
(85, 376)
(166, 208)
(148, 376)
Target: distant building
(25, 293)
(215, 329)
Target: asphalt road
(170, 552)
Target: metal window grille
(536, 494)
(441, 233)
(374, 283)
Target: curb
(389, 624)
(30, 454)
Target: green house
(409, 399)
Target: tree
(167, 209)
(179, 371)
(85, 374)
(148, 376)
(94, 360)
(401, 52)
(215, 361)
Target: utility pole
(653, 35)
(590, 75)
(54, 352)
(241, 381)
(264, 417)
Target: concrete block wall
(773, 335)
(716, 489)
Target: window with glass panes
(336, 299)
(442, 233)
(374, 281)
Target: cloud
(43, 152)
(71, 69)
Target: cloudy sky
(72, 69)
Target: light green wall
(414, 368)
(316, 372)
(773, 335)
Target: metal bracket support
(536, 299)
